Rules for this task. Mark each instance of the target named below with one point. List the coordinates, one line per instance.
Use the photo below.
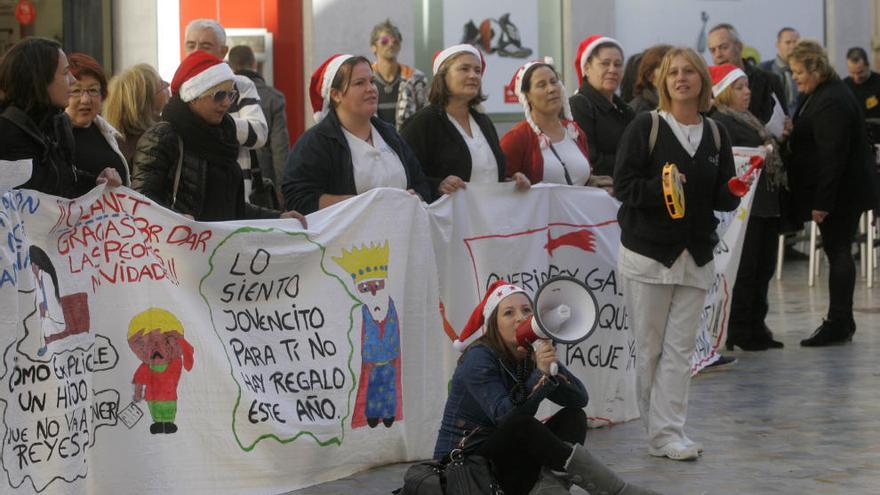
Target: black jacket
(603, 123)
(320, 163)
(645, 225)
(766, 202)
(830, 154)
(49, 144)
(441, 149)
(763, 86)
(154, 168)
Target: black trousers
(838, 233)
(749, 307)
(522, 444)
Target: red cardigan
(523, 152)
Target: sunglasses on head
(221, 95)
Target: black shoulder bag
(459, 474)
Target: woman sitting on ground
(495, 392)
(350, 151)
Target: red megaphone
(738, 185)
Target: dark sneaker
(720, 364)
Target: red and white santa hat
(586, 47)
(723, 76)
(319, 85)
(494, 295)
(199, 72)
(517, 83)
(443, 55)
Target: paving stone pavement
(788, 421)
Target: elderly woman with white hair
(454, 140)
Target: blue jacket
(479, 396)
(320, 163)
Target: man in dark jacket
(726, 48)
(273, 156)
(785, 41)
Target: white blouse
(484, 167)
(374, 165)
(576, 163)
(688, 135)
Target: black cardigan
(766, 202)
(442, 150)
(320, 163)
(830, 154)
(603, 123)
(645, 224)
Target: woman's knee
(569, 425)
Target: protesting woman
(188, 162)
(646, 98)
(548, 146)
(97, 142)
(494, 395)
(35, 84)
(666, 253)
(749, 306)
(350, 150)
(831, 183)
(596, 107)
(134, 104)
(454, 140)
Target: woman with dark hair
(35, 84)
(831, 183)
(596, 108)
(189, 161)
(666, 253)
(646, 98)
(749, 306)
(454, 141)
(548, 146)
(350, 151)
(493, 397)
(97, 144)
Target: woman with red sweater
(548, 146)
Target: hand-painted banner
(173, 356)
(146, 353)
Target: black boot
(830, 332)
(156, 428)
(766, 336)
(745, 338)
(372, 422)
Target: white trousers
(664, 320)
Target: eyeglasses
(388, 40)
(164, 87)
(78, 92)
(221, 95)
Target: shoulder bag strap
(716, 135)
(655, 128)
(177, 172)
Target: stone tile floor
(788, 421)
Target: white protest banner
(731, 230)
(490, 232)
(146, 353)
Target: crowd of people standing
(202, 143)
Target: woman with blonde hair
(134, 103)
(666, 252)
(831, 183)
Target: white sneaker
(676, 451)
(696, 445)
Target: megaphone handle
(554, 368)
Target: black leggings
(838, 232)
(522, 444)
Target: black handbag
(460, 474)
(263, 191)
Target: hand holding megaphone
(565, 311)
